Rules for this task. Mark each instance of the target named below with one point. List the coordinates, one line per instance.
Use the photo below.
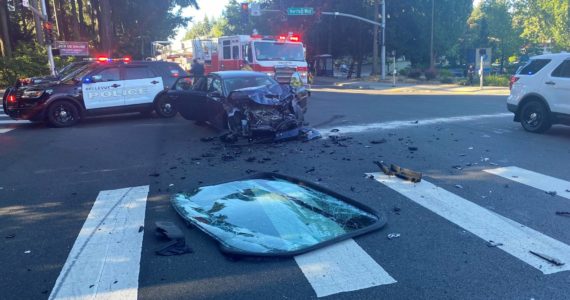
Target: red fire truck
(279, 56)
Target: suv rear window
(533, 66)
(563, 70)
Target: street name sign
(300, 11)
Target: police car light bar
(103, 59)
(294, 38)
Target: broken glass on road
(274, 215)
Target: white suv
(540, 92)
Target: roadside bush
(446, 80)
(415, 73)
(404, 72)
(27, 60)
(430, 74)
(443, 73)
(496, 80)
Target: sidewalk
(386, 88)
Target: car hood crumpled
(264, 95)
(274, 215)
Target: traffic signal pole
(49, 53)
(43, 16)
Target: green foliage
(430, 74)
(445, 73)
(415, 73)
(446, 80)
(544, 21)
(28, 60)
(496, 80)
(207, 28)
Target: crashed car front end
(263, 109)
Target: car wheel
(62, 114)
(535, 117)
(165, 108)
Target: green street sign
(300, 11)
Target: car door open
(190, 98)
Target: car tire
(62, 114)
(535, 117)
(164, 107)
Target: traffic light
(48, 32)
(244, 12)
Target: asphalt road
(50, 179)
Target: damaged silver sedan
(246, 103)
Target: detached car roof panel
(274, 215)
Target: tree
(544, 21)
(501, 33)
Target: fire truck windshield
(265, 51)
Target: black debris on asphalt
(563, 213)
(492, 244)
(10, 236)
(412, 148)
(310, 170)
(381, 141)
(551, 193)
(250, 159)
(141, 228)
(154, 174)
(177, 244)
(549, 259)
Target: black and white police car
(105, 86)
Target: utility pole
(383, 39)
(375, 34)
(431, 58)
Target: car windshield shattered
(274, 215)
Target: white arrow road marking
(105, 259)
(516, 238)
(533, 179)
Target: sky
(210, 8)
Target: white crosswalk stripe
(341, 267)
(539, 181)
(104, 262)
(516, 239)
(7, 123)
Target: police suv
(540, 92)
(105, 86)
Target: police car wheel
(165, 108)
(62, 114)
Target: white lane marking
(105, 259)
(4, 130)
(533, 179)
(516, 238)
(341, 267)
(409, 123)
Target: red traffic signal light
(48, 26)
(245, 7)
